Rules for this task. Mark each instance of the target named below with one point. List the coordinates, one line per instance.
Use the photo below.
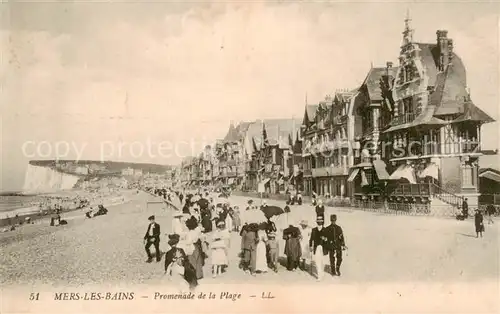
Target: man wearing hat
(250, 203)
(318, 246)
(320, 209)
(152, 237)
(336, 245)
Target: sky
(81, 79)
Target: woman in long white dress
(193, 246)
(261, 260)
(177, 224)
(305, 235)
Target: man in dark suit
(465, 208)
(152, 237)
(318, 246)
(320, 209)
(336, 245)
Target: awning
(353, 175)
(490, 175)
(380, 169)
(431, 170)
(404, 172)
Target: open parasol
(253, 216)
(270, 211)
(203, 203)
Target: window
(369, 176)
(406, 106)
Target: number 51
(34, 296)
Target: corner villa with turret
(427, 131)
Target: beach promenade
(109, 249)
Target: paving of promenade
(109, 250)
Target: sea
(36, 179)
(15, 203)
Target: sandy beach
(109, 249)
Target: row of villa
(409, 134)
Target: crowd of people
(201, 233)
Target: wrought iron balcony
(447, 148)
(403, 118)
(335, 170)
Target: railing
(446, 196)
(403, 118)
(330, 171)
(460, 147)
(408, 189)
(427, 189)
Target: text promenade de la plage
(130, 296)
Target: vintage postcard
(249, 157)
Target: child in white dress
(219, 249)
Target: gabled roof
(242, 128)
(473, 113)
(310, 114)
(490, 173)
(429, 54)
(372, 82)
(279, 131)
(450, 93)
(238, 133)
(232, 134)
(344, 96)
(253, 136)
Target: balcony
(403, 118)
(329, 171)
(460, 147)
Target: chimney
(450, 50)
(388, 67)
(442, 43)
